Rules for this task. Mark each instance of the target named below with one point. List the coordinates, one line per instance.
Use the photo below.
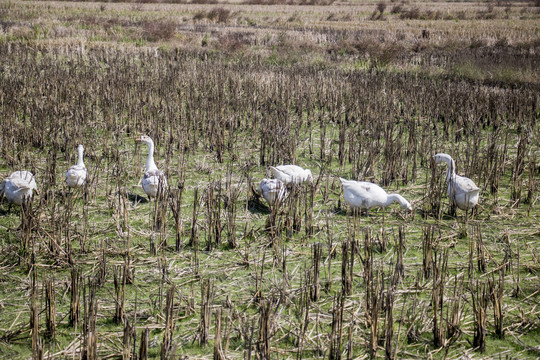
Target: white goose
(273, 191)
(153, 178)
(76, 175)
(366, 195)
(291, 174)
(18, 187)
(462, 191)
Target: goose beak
(138, 138)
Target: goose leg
(452, 211)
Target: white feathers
(462, 191)
(291, 174)
(18, 186)
(153, 179)
(273, 191)
(366, 195)
(76, 175)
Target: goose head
(406, 205)
(145, 139)
(442, 157)
(400, 200)
(309, 175)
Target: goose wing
(293, 170)
(465, 185)
(266, 185)
(154, 177)
(77, 168)
(348, 183)
(22, 180)
(363, 188)
(272, 190)
(271, 185)
(76, 172)
(151, 181)
(280, 174)
(291, 173)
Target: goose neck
(451, 172)
(396, 198)
(150, 164)
(80, 160)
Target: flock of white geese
(365, 195)
(462, 192)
